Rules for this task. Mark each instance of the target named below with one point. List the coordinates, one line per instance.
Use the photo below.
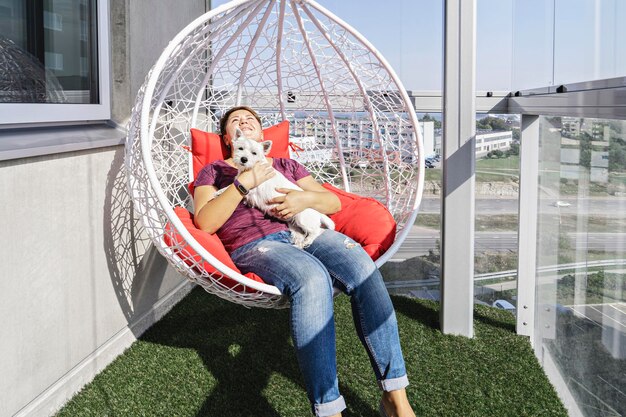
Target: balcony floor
(208, 356)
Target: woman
(261, 244)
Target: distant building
(570, 126)
(316, 138)
(487, 142)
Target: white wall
(73, 290)
(79, 281)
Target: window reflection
(47, 51)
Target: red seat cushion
(366, 220)
(208, 241)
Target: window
(54, 61)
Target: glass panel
(414, 270)
(48, 52)
(581, 257)
(533, 56)
(589, 40)
(555, 41)
(496, 207)
(13, 21)
(494, 37)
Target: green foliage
(598, 286)
(585, 157)
(593, 373)
(514, 149)
(516, 134)
(428, 118)
(496, 153)
(492, 123)
(617, 155)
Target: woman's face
(245, 121)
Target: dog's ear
(238, 133)
(267, 145)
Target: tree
(496, 153)
(617, 155)
(492, 123)
(585, 149)
(514, 149)
(428, 118)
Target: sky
(520, 44)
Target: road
(419, 241)
(613, 206)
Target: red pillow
(207, 147)
(366, 220)
(208, 241)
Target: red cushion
(207, 147)
(365, 220)
(208, 241)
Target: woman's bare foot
(396, 404)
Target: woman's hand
(290, 203)
(260, 172)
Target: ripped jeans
(307, 277)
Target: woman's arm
(313, 196)
(211, 212)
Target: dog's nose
(244, 159)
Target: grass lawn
(489, 223)
(487, 170)
(209, 357)
(510, 164)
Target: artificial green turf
(209, 357)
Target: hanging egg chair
(349, 117)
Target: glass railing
(580, 325)
(496, 210)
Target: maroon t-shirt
(246, 224)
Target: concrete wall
(79, 281)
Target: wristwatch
(239, 186)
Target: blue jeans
(307, 277)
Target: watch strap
(240, 187)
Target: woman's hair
(226, 115)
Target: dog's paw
(298, 239)
(311, 237)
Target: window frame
(19, 114)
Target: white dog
(305, 226)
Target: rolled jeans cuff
(330, 408)
(393, 384)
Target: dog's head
(247, 152)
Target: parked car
(504, 305)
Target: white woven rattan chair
(289, 60)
